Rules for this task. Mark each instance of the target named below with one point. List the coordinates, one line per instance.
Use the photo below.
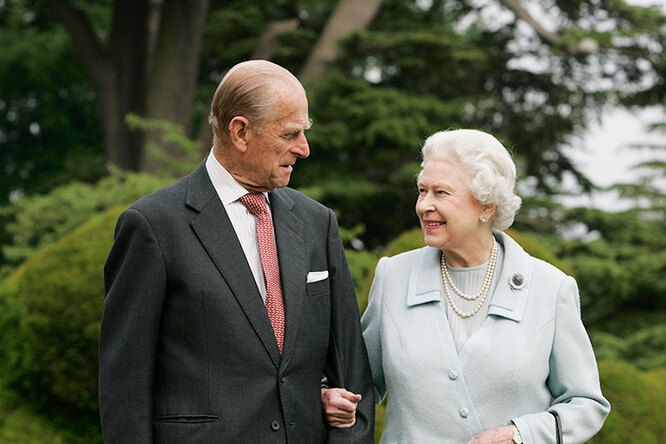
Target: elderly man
(228, 296)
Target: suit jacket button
(283, 379)
(275, 425)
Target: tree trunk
(139, 72)
(173, 72)
(118, 72)
(349, 16)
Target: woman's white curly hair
(487, 165)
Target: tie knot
(255, 203)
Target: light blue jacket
(532, 349)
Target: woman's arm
(573, 381)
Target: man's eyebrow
(297, 127)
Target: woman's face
(448, 212)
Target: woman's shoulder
(407, 257)
(515, 254)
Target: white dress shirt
(244, 222)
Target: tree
(421, 67)
(405, 69)
(148, 65)
(49, 132)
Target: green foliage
(365, 143)
(20, 425)
(619, 258)
(170, 134)
(360, 261)
(51, 309)
(35, 221)
(637, 402)
(623, 268)
(380, 415)
(408, 240)
(636, 337)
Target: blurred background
(103, 101)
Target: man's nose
(301, 148)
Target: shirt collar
(224, 183)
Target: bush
(638, 401)
(50, 313)
(19, 424)
(644, 347)
(33, 222)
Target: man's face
(274, 148)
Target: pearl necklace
(482, 293)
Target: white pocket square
(315, 276)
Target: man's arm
(347, 361)
(135, 281)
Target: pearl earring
(483, 219)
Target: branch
(583, 47)
(523, 14)
(349, 16)
(269, 39)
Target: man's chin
(283, 181)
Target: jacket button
(464, 412)
(283, 379)
(275, 425)
(453, 375)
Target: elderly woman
(473, 339)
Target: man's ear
(239, 132)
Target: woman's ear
(488, 210)
(239, 132)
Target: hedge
(50, 313)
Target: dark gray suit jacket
(187, 352)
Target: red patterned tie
(256, 204)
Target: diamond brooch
(517, 281)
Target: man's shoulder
(302, 200)
(165, 199)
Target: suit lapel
(214, 230)
(289, 237)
